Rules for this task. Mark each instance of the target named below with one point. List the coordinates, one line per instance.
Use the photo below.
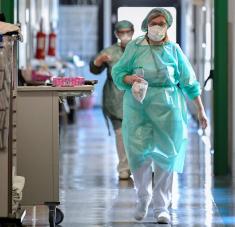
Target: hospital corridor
(92, 195)
(117, 113)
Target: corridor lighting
(204, 8)
(27, 16)
(200, 132)
(77, 61)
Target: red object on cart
(68, 81)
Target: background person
(112, 96)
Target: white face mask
(125, 39)
(139, 90)
(157, 33)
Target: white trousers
(160, 192)
(123, 163)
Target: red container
(68, 81)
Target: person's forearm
(198, 103)
(201, 112)
(97, 63)
(96, 69)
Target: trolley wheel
(55, 215)
(59, 216)
(52, 218)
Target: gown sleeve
(187, 78)
(123, 67)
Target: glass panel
(124, 14)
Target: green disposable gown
(156, 129)
(112, 96)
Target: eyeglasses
(161, 24)
(124, 32)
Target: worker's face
(157, 28)
(160, 21)
(125, 35)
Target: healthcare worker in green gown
(112, 96)
(155, 131)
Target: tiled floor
(92, 195)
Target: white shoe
(124, 175)
(141, 210)
(163, 218)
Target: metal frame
(221, 88)
(6, 170)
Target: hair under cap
(123, 25)
(154, 13)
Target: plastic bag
(139, 90)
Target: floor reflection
(92, 195)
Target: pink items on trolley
(40, 76)
(68, 81)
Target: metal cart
(38, 143)
(8, 81)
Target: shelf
(79, 91)
(59, 89)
